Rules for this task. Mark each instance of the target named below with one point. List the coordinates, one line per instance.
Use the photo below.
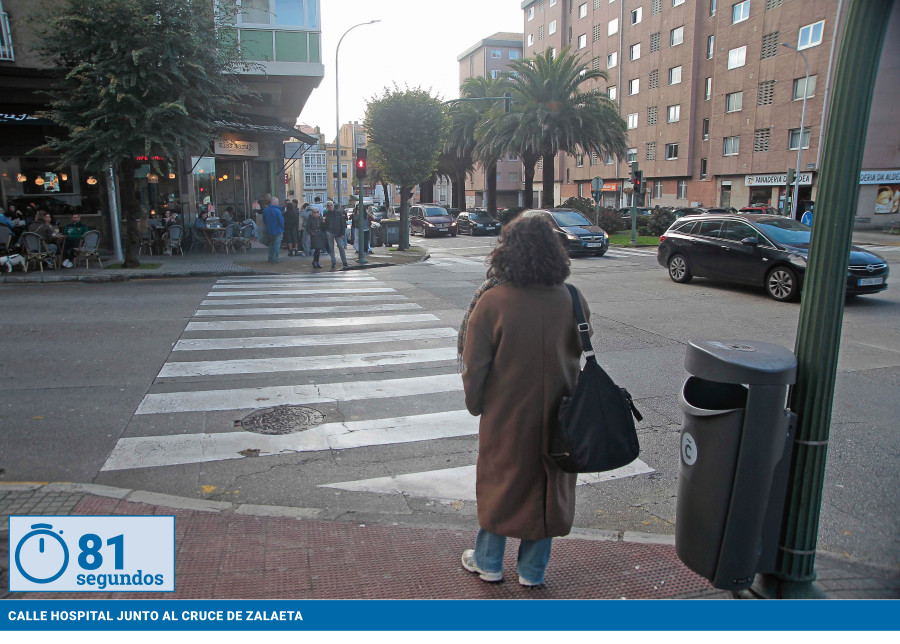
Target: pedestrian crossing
(315, 341)
(614, 252)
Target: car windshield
(435, 212)
(479, 216)
(569, 218)
(784, 231)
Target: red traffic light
(361, 163)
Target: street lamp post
(337, 103)
(802, 125)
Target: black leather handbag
(596, 423)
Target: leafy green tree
(554, 115)
(406, 131)
(141, 77)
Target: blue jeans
(531, 563)
(330, 239)
(274, 245)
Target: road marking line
(308, 310)
(334, 323)
(458, 483)
(355, 337)
(221, 291)
(304, 299)
(261, 397)
(257, 279)
(305, 363)
(182, 449)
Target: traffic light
(790, 177)
(638, 181)
(361, 163)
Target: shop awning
(266, 125)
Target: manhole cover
(284, 419)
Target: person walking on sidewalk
(520, 352)
(291, 227)
(305, 240)
(335, 231)
(315, 229)
(274, 220)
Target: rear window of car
(479, 216)
(436, 212)
(569, 218)
(709, 228)
(684, 228)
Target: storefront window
(155, 185)
(203, 176)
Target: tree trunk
(528, 200)
(126, 169)
(387, 196)
(548, 180)
(405, 194)
(491, 188)
(460, 191)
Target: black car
(477, 222)
(430, 219)
(763, 250)
(685, 212)
(578, 234)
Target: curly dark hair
(529, 252)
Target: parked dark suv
(578, 234)
(430, 219)
(763, 250)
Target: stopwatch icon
(44, 552)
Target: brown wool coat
(522, 356)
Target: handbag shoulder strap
(583, 326)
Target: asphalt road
(79, 360)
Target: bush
(658, 221)
(610, 221)
(581, 204)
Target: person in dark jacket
(521, 352)
(73, 232)
(335, 231)
(315, 230)
(291, 227)
(274, 220)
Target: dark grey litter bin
(390, 230)
(735, 456)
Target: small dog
(12, 260)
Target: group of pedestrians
(305, 228)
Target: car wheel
(782, 284)
(678, 269)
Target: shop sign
(610, 186)
(775, 179)
(237, 148)
(879, 176)
(887, 199)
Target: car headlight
(430, 225)
(453, 224)
(572, 237)
(605, 235)
(797, 260)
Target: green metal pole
(822, 307)
(360, 235)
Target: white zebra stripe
(240, 325)
(303, 299)
(307, 310)
(356, 337)
(277, 289)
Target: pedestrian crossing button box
(735, 445)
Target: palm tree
(555, 116)
(503, 136)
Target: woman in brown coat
(521, 354)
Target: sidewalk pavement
(205, 264)
(240, 551)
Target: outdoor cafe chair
(7, 240)
(147, 241)
(173, 237)
(88, 249)
(224, 240)
(33, 249)
(242, 241)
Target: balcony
(6, 48)
(284, 36)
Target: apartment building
(244, 160)
(306, 167)
(711, 98)
(488, 58)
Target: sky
(416, 44)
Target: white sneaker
(67, 264)
(468, 562)
(529, 584)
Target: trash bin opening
(706, 394)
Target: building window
(740, 12)
(552, 28)
(675, 3)
(634, 86)
(737, 57)
(637, 15)
(631, 155)
(734, 102)
(579, 162)
(703, 166)
(611, 60)
(552, 53)
(794, 138)
(651, 115)
(635, 51)
(513, 54)
(531, 13)
(710, 47)
(766, 93)
(530, 39)
(632, 120)
(552, 3)
(611, 92)
(811, 35)
(612, 27)
(707, 88)
(496, 53)
(671, 151)
(769, 45)
(657, 189)
(495, 73)
(676, 36)
(675, 75)
(582, 10)
(682, 189)
(582, 41)
(761, 139)
(800, 84)
(706, 129)
(654, 42)
(673, 113)
(654, 79)
(650, 154)
(731, 146)
(713, 5)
